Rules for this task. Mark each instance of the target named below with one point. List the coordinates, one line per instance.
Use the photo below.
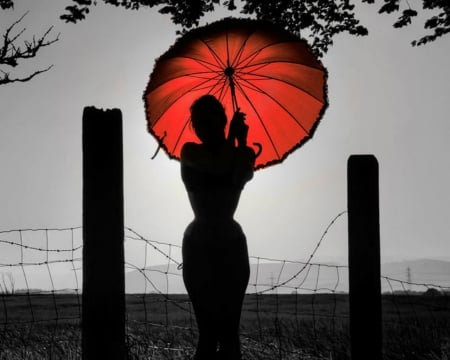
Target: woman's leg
(198, 277)
(205, 313)
(216, 274)
(234, 278)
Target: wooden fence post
(103, 313)
(364, 258)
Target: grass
(313, 327)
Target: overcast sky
(386, 98)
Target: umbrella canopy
(270, 74)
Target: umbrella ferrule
(229, 72)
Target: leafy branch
(317, 20)
(6, 4)
(12, 53)
(439, 23)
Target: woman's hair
(206, 109)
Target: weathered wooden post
(364, 258)
(103, 314)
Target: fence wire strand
(292, 310)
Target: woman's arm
(243, 165)
(244, 156)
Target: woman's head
(208, 119)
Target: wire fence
(292, 310)
(40, 293)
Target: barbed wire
(302, 300)
(34, 320)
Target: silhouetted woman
(215, 257)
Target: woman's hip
(219, 249)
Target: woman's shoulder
(190, 151)
(198, 156)
(187, 146)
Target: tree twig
(11, 53)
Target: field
(273, 327)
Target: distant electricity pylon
(272, 283)
(408, 277)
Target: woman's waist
(214, 224)
(213, 220)
(221, 234)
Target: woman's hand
(238, 129)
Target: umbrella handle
(259, 151)
(233, 96)
(229, 71)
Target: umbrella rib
(281, 106)
(256, 67)
(253, 55)
(214, 54)
(267, 77)
(237, 60)
(223, 89)
(204, 63)
(228, 49)
(249, 58)
(196, 87)
(208, 66)
(219, 80)
(242, 70)
(254, 87)
(259, 118)
(239, 53)
(204, 75)
(180, 135)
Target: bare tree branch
(6, 79)
(11, 53)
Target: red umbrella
(270, 74)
